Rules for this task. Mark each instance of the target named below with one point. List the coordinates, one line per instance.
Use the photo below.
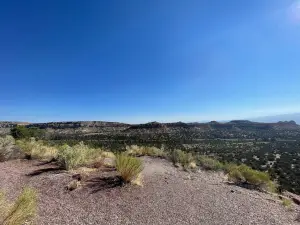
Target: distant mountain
(274, 119)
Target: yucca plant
(128, 167)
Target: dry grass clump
(37, 149)
(246, 176)
(78, 155)
(22, 211)
(287, 203)
(145, 151)
(209, 163)
(128, 167)
(183, 158)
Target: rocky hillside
(213, 129)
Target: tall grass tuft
(77, 155)
(21, 211)
(128, 167)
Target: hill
(284, 117)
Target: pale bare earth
(169, 196)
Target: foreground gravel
(169, 196)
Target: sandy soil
(169, 196)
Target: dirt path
(169, 196)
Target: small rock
(73, 185)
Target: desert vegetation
(287, 203)
(136, 150)
(6, 145)
(22, 132)
(179, 157)
(70, 157)
(37, 149)
(21, 211)
(209, 163)
(246, 176)
(128, 167)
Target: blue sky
(138, 61)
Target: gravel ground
(169, 196)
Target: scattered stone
(74, 184)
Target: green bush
(22, 211)
(252, 178)
(210, 163)
(144, 150)
(181, 157)
(21, 132)
(128, 167)
(229, 167)
(78, 155)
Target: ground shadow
(45, 170)
(246, 185)
(45, 162)
(103, 183)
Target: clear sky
(138, 61)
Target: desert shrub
(106, 154)
(287, 203)
(251, 178)
(181, 157)
(128, 167)
(6, 141)
(6, 144)
(145, 150)
(210, 163)
(21, 132)
(21, 211)
(78, 155)
(228, 167)
(37, 149)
